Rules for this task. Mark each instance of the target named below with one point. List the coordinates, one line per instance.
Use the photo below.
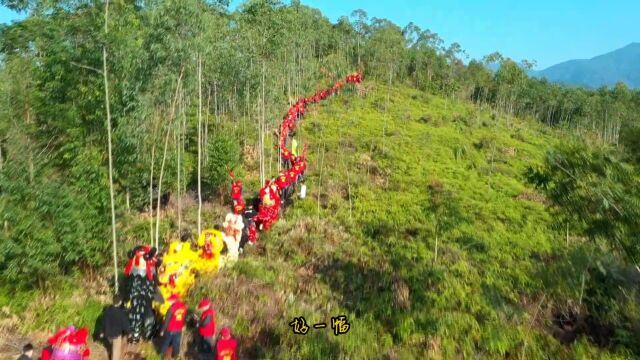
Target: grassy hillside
(392, 170)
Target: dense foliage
(223, 155)
(263, 53)
(597, 192)
(497, 260)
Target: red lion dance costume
(68, 344)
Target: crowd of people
(159, 283)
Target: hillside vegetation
(394, 170)
(452, 212)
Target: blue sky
(548, 31)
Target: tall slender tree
(199, 144)
(105, 76)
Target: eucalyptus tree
(383, 57)
(360, 24)
(66, 184)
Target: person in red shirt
(46, 353)
(207, 326)
(291, 124)
(263, 192)
(300, 108)
(238, 209)
(292, 113)
(292, 174)
(174, 321)
(227, 347)
(282, 182)
(297, 167)
(236, 190)
(293, 178)
(286, 157)
(269, 207)
(287, 128)
(273, 193)
(284, 133)
(266, 202)
(252, 233)
(300, 165)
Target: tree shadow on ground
(592, 297)
(359, 286)
(96, 332)
(380, 293)
(266, 338)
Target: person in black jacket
(27, 352)
(247, 219)
(115, 326)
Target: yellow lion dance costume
(177, 273)
(210, 244)
(180, 265)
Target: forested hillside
(452, 211)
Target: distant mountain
(619, 65)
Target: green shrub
(53, 225)
(223, 155)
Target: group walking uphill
(159, 283)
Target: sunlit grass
(362, 243)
